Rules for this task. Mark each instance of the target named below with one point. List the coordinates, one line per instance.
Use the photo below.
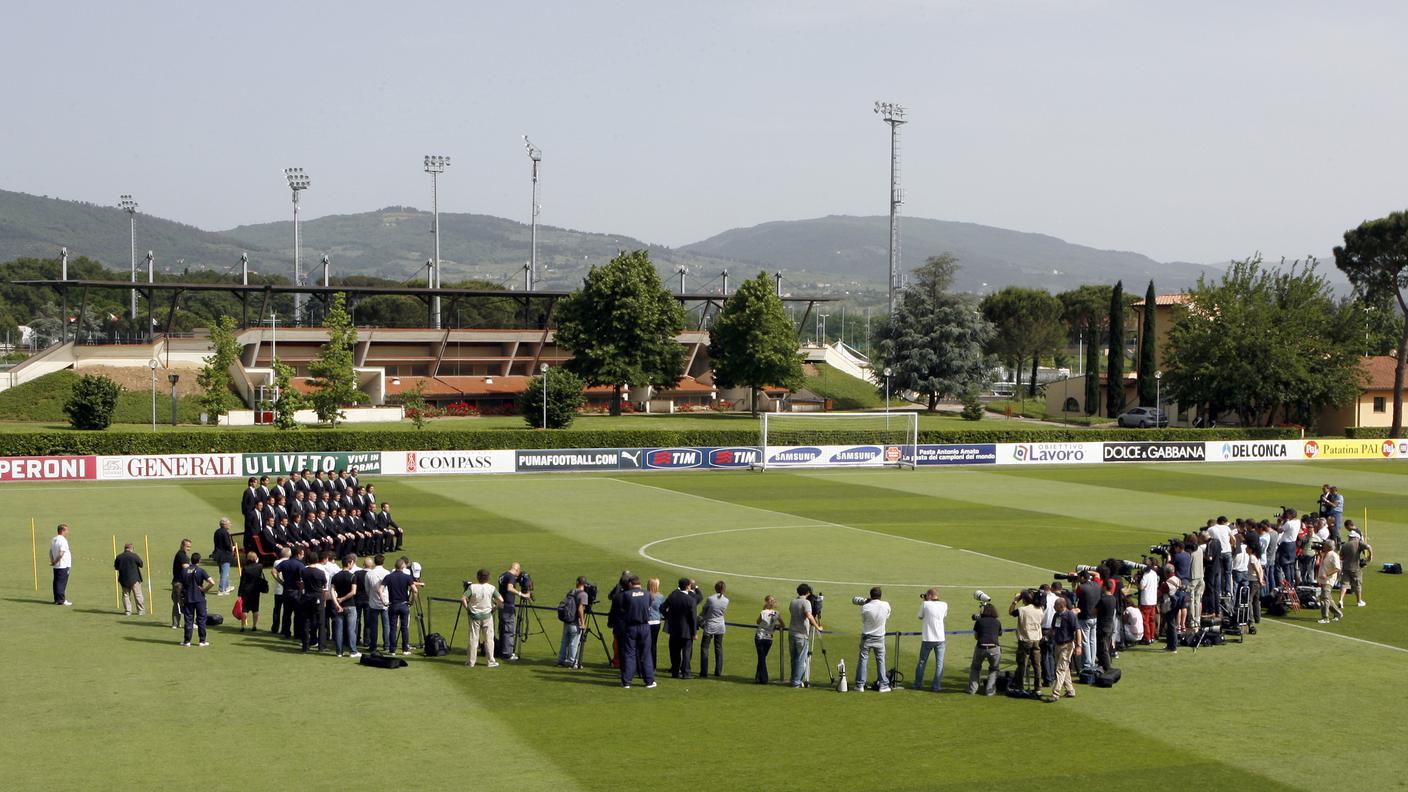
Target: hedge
(1367, 433)
(237, 441)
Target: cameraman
(512, 585)
(1029, 617)
(932, 612)
(987, 632)
(801, 622)
(1067, 638)
(1286, 549)
(1087, 601)
(568, 653)
(874, 613)
(1149, 602)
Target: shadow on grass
(31, 601)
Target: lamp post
(543, 369)
(274, 350)
(173, 378)
(888, 372)
(152, 364)
(822, 337)
(435, 165)
(126, 204)
(536, 155)
(1158, 396)
(298, 181)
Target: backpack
(435, 645)
(567, 609)
(1212, 551)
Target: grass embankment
(41, 401)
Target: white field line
(1336, 635)
(643, 554)
(828, 522)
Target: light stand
(435, 165)
(298, 181)
(893, 114)
(543, 369)
(173, 378)
(126, 204)
(536, 155)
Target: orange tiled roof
(1378, 371)
(1166, 299)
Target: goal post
(839, 439)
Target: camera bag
(1106, 679)
(214, 620)
(435, 645)
(376, 660)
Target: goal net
(839, 439)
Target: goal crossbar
(839, 439)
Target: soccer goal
(839, 439)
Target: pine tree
(214, 376)
(1148, 363)
(1114, 369)
(752, 342)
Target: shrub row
(1367, 433)
(237, 441)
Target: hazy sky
(1194, 131)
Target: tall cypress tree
(1148, 388)
(1114, 369)
(1092, 366)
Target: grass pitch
(93, 699)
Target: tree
(1027, 322)
(621, 327)
(214, 376)
(566, 395)
(290, 400)
(1114, 367)
(1270, 343)
(1374, 257)
(934, 341)
(752, 342)
(92, 402)
(413, 402)
(334, 381)
(1087, 312)
(1147, 387)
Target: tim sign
(82, 468)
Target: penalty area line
(1336, 635)
(826, 522)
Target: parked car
(1144, 418)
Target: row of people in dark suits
(260, 488)
(278, 505)
(341, 532)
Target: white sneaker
(1322, 621)
(185, 643)
(355, 654)
(406, 653)
(205, 643)
(884, 690)
(493, 665)
(66, 602)
(510, 657)
(1362, 603)
(651, 685)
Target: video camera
(816, 598)
(590, 588)
(525, 582)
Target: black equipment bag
(1087, 676)
(1106, 679)
(1392, 569)
(214, 619)
(435, 645)
(1004, 682)
(382, 661)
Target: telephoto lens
(859, 600)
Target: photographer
(480, 599)
(1067, 638)
(1087, 601)
(1149, 603)
(1326, 574)
(512, 585)
(987, 632)
(874, 613)
(1029, 617)
(1171, 599)
(1354, 554)
(1106, 614)
(575, 602)
(1196, 586)
(799, 633)
(1290, 529)
(932, 612)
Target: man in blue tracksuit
(633, 615)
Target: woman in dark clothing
(224, 554)
(252, 584)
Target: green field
(93, 699)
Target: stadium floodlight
(888, 372)
(128, 205)
(298, 181)
(894, 115)
(536, 155)
(435, 164)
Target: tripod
(816, 640)
(420, 620)
(595, 629)
(522, 629)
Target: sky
(1194, 131)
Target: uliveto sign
(173, 466)
(48, 468)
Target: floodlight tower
(126, 204)
(536, 155)
(435, 165)
(893, 114)
(298, 181)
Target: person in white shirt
(481, 599)
(1327, 574)
(874, 613)
(377, 624)
(62, 561)
(1132, 623)
(1149, 602)
(1220, 575)
(1286, 550)
(932, 612)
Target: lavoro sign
(1155, 452)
